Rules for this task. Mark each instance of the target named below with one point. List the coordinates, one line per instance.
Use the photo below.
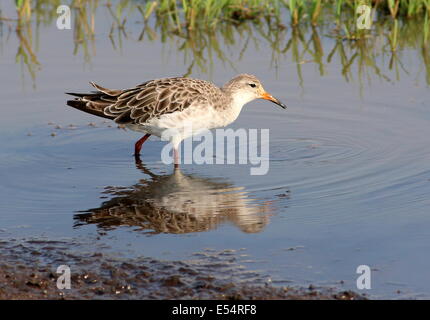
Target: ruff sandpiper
(173, 104)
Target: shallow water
(348, 184)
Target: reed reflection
(362, 55)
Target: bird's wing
(154, 98)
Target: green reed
(190, 14)
(199, 29)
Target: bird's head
(245, 88)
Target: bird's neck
(234, 108)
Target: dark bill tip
(274, 100)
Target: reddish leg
(139, 143)
(176, 158)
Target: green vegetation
(187, 15)
(208, 13)
(203, 29)
(190, 14)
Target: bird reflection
(177, 203)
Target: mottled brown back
(148, 100)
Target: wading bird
(173, 104)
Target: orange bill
(269, 97)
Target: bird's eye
(253, 85)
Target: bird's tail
(94, 102)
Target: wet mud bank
(28, 270)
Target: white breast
(191, 121)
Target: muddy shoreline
(28, 271)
